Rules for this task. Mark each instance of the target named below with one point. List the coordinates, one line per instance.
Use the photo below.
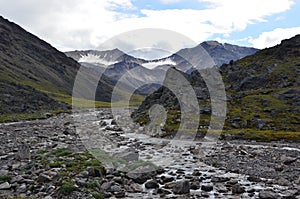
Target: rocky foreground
(46, 159)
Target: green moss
(5, 178)
(264, 135)
(94, 184)
(97, 195)
(67, 188)
(61, 152)
(42, 151)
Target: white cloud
(75, 24)
(274, 37)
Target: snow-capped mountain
(186, 58)
(135, 72)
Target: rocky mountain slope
(262, 93)
(30, 70)
(114, 64)
(35, 77)
(136, 72)
(219, 53)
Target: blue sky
(77, 24)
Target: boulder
(268, 195)
(207, 187)
(5, 186)
(237, 189)
(182, 187)
(142, 173)
(152, 184)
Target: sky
(85, 24)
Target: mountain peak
(211, 43)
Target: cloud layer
(274, 37)
(75, 24)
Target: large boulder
(182, 187)
(142, 173)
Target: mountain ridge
(263, 93)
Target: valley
(106, 124)
(134, 165)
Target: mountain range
(146, 76)
(262, 91)
(262, 88)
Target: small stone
(195, 185)
(283, 182)
(221, 188)
(164, 191)
(279, 167)
(152, 184)
(43, 178)
(207, 187)
(135, 188)
(167, 179)
(254, 179)
(128, 156)
(115, 188)
(237, 189)
(182, 187)
(219, 179)
(106, 186)
(94, 172)
(3, 172)
(142, 174)
(4, 186)
(267, 195)
(287, 160)
(22, 188)
(84, 174)
(120, 194)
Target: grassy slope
(33, 68)
(277, 72)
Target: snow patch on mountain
(153, 64)
(95, 59)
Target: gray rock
(94, 172)
(283, 182)
(167, 179)
(109, 167)
(152, 184)
(268, 195)
(106, 186)
(290, 194)
(142, 173)
(195, 185)
(120, 194)
(259, 123)
(18, 179)
(113, 128)
(129, 156)
(43, 178)
(115, 188)
(3, 172)
(207, 187)
(5, 186)
(182, 187)
(219, 179)
(134, 188)
(102, 123)
(22, 188)
(221, 188)
(288, 160)
(237, 189)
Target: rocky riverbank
(47, 159)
